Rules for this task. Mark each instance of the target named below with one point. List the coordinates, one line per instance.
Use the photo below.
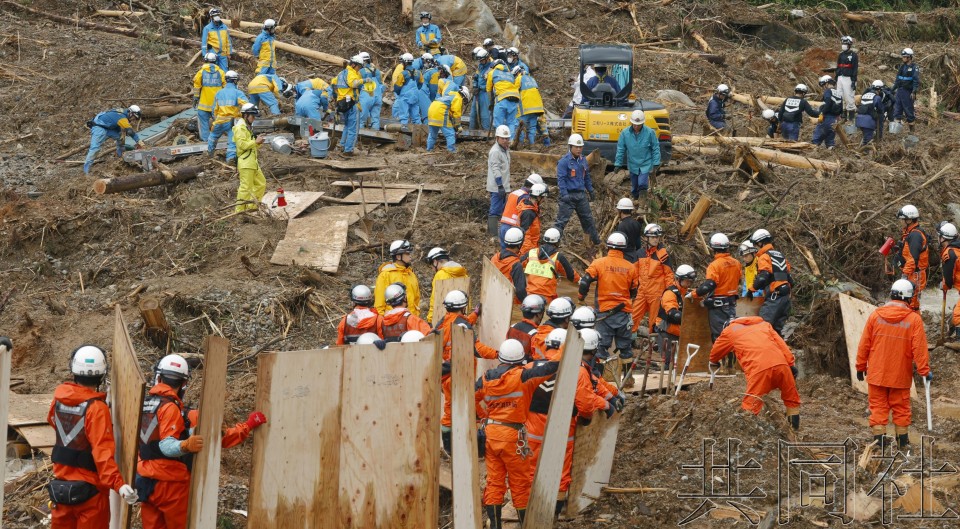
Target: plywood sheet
(349, 214)
(389, 447)
(377, 195)
(297, 203)
(27, 409)
(496, 295)
(466, 471)
(363, 164)
(312, 241)
(205, 477)
(855, 314)
(695, 329)
(127, 387)
(593, 449)
(38, 435)
(296, 456)
(6, 357)
(546, 481)
(444, 287)
(391, 185)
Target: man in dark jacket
(791, 113)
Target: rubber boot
(493, 226)
(561, 506)
(879, 439)
(521, 513)
(794, 422)
(494, 514)
(903, 441)
(445, 437)
(910, 127)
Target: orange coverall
(655, 274)
(538, 346)
(358, 321)
(529, 211)
(507, 391)
(509, 265)
(98, 433)
(914, 259)
(765, 359)
(892, 341)
(616, 280)
(951, 275)
(399, 320)
(671, 301)
(480, 351)
(166, 508)
(523, 331)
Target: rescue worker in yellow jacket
(252, 183)
(226, 108)
(531, 106)
(216, 38)
(400, 270)
(265, 48)
(206, 83)
(266, 89)
(439, 259)
(506, 90)
(347, 87)
(444, 115)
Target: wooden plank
(127, 386)
(695, 329)
(391, 185)
(593, 450)
(364, 164)
(296, 455)
(38, 435)
(25, 409)
(546, 481)
(496, 296)
(444, 287)
(696, 216)
(350, 214)
(205, 476)
(376, 195)
(389, 447)
(855, 314)
(297, 203)
(312, 241)
(466, 471)
(6, 358)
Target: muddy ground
(178, 244)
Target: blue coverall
(906, 85)
(108, 124)
(573, 179)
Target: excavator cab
(606, 84)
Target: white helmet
(625, 204)
(538, 190)
(534, 178)
(488, 42)
(575, 140)
(483, 54)
(361, 295)
(825, 79)
(902, 289)
(455, 300)
(88, 361)
(685, 271)
(437, 253)
(617, 241)
(356, 59)
(551, 236)
(760, 237)
(768, 113)
(400, 247)
(503, 131)
(532, 305)
(877, 84)
(477, 50)
(719, 241)
(947, 231)
(364, 55)
(802, 88)
(135, 110)
(846, 39)
(426, 56)
(513, 237)
(465, 93)
(906, 52)
(511, 352)
(637, 117)
(516, 70)
(367, 338)
(406, 57)
(591, 340)
(173, 366)
(556, 338)
(395, 294)
(513, 50)
(411, 337)
(583, 318)
(747, 247)
(909, 212)
(210, 57)
(653, 230)
(723, 89)
(232, 76)
(269, 25)
(560, 309)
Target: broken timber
(390, 185)
(546, 164)
(298, 50)
(155, 326)
(768, 155)
(699, 211)
(683, 139)
(137, 181)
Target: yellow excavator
(605, 108)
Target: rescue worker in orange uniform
(524, 330)
(167, 446)
(617, 284)
(507, 391)
(655, 273)
(362, 319)
(559, 312)
(671, 312)
(455, 303)
(593, 394)
(550, 243)
(543, 271)
(400, 270)
(511, 209)
(398, 319)
(583, 318)
(893, 340)
(766, 361)
(529, 210)
(508, 262)
(949, 254)
(718, 292)
(439, 259)
(84, 468)
(773, 279)
(913, 256)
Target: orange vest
(505, 265)
(523, 332)
(541, 276)
(511, 211)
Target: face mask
(844, 47)
(425, 24)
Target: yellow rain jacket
(504, 84)
(396, 272)
(449, 270)
(262, 84)
(208, 81)
(446, 111)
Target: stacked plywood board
(317, 240)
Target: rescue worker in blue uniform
(773, 122)
(513, 60)
(905, 88)
(573, 179)
(791, 113)
(371, 96)
(716, 113)
(406, 107)
(216, 38)
(602, 77)
(870, 112)
(226, 108)
(111, 124)
(531, 105)
(505, 89)
(848, 66)
(265, 48)
(829, 113)
(347, 90)
(480, 109)
(427, 83)
(427, 31)
(206, 83)
(312, 104)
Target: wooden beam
(163, 111)
(497, 296)
(155, 326)
(702, 42)
(692, 139)
(298, 50)
(768, 155)
(593, 453)
(466, 470)
(205, 476)
(6, 357)
(127, 387)
(696, 216)
(138, 181)
(353, 184)
(546, 481)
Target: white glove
(128, 494)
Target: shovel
(692, 350)
(661, 388)
(646, 371)
(926, 386)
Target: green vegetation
(866, 5)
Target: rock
(472, 14)
(530, 54)
(883, 67)
(797, 13)
(676, 97)
(912, 18)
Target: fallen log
(702, 42)
(771, 101)
(768, 155)
(709, 57)
(162, 111)
(298, 50)
(546, 164)
(138, 181)
(696, 216)
(688, 139)
(858, 18)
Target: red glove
(256, 419)
(477, 309)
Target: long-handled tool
(646, 370)
(686, 365)
(673, 365)
(665, 359)
(943, 319)
(926, 386)
(713, 375)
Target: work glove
(861, 375)
(380, 344)
(140, 144)
(256, 419)
(616, 402)
(502, 193)
(794, 370)
(128, 494)
(478, 309)
(929, 376)
(593, 195)
(5, 342)
(714, 365)
(193, 444)
(580, 297)
(196, 101)
(584, 421)
(609, 410)
(913, 96)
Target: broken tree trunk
(406, 10)
(702, 42)
(162, 111)
(155, 326)
(771, 101)
(693, 220)
(303, 52)
(768, 155)
(709, 57)
(686, 139)
(137, 181)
